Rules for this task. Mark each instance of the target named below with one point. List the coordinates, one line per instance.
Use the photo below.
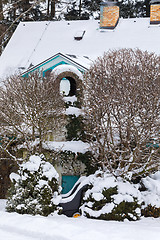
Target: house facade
(67, 49)
(69, 73)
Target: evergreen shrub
(75, 128)
(109, 198)
(151, 211)
(34, 188)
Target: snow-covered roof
(34, 42)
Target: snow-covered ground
(14, 226)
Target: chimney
(109, 14)
(155, 12)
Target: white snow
(106, 209)
(66, 68)
(14, 226)
(14, 176)
(64, 86)
(33, 165)
(74, 146)
(71, 110)
(152, 195)
(97, 196)
(26, 227)
(125, 192)
(70, 99)
(34, 42)
(74, 111)
(120, 198)
(49, 171)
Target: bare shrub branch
(122, 107)
(30, 107)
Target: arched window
(68, 86)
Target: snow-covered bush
(35, 188)
(122, 111)
(150, 190)
(32, 108)
(151, 211)
(111, 198)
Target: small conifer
(34, 188)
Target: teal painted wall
(68, 182)
(51, 64)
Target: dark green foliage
(73, 161)
(97, 205)
(65, 157)
(86, 158)
(92, 6)
(151, 211)
(109, 192)
(74, 128)
(123, 210)
(33, 190)
(132, 9)
(73, 14)
(75, 125)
